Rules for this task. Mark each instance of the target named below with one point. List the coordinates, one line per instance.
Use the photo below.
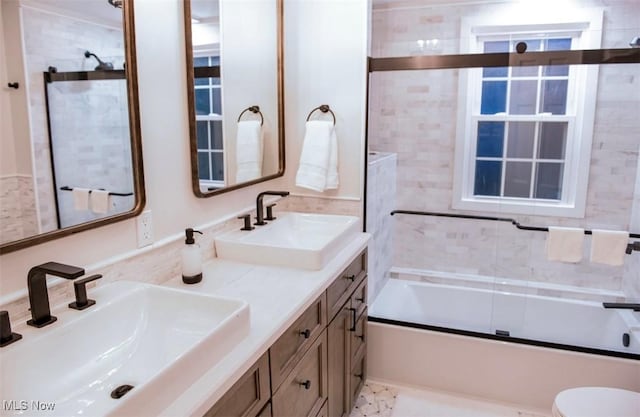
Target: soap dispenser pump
(191, 259)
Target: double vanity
(276, 327)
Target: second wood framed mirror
(235, 91)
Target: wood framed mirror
(70, 143)
(235, 93)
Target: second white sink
(296, 240)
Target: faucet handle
(270, 212)
(80, 288)
(7, 337)
(247, 222)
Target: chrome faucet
(259, 206)
(38, 294)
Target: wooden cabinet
(304, 390)
(347, 346)
(318, 366)
(248, 396)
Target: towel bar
(67, 188)
(324, 108)
(254, 110)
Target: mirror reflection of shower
(102, 66)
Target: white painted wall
(326, 56)
(329, 34)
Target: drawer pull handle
(350, 277)
(353, 319)
(358, 376)
(306, 333)
(360, 300)
(360, 336)
(306, 384)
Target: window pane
(523, 97)
(493, 47)
(521, 139)
(549, 180)
(490, 139)
(218, 166)
(532, 45)
(217, 101)
(203, 166)
(488, 175)
(202, 61)
(557, 45)
(202, 133)
(202, 101)
(553, 138)
(216, 135)
(554, 96)
(494, 97)
(215, 81)
(202, 81)
(517, 179)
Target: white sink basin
(296, 240)
(158, 339)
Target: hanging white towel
(99, 201)
(318, 168)
(608, 246)
(249, 148)
(564, 244)
(80, 198)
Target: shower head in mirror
(102, 66)
(635, 42)
(116, 3)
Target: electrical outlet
(145, 229)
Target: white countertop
(276, 296)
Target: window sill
(529, 208)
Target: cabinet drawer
(359, 336)
(304, 390)
(289, 348)
(340, 290)
(358, 376)
(359, 298)
(247, 397)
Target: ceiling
(97, 11)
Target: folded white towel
(80, 198)
(318, 168)
(99, 201)
(608, 246)
(249, 147)
(564, 244)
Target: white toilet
(596, 402)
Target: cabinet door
(338, 363)
(247, 397)
(357, 377)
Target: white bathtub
(585, 325)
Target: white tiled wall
(413, 114)
(381, 200)
(17, 209)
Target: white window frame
(585, 29)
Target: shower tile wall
(413, 113)
(381, 192)
(18, 218)
(55, 40)
(631, 284)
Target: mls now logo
(24, 405)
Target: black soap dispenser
(191, 259)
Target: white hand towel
(249, 147)
(80, 198)
(608, 247)
(564, 244)
(318, 168)
(99, 201)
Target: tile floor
(388, 400)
